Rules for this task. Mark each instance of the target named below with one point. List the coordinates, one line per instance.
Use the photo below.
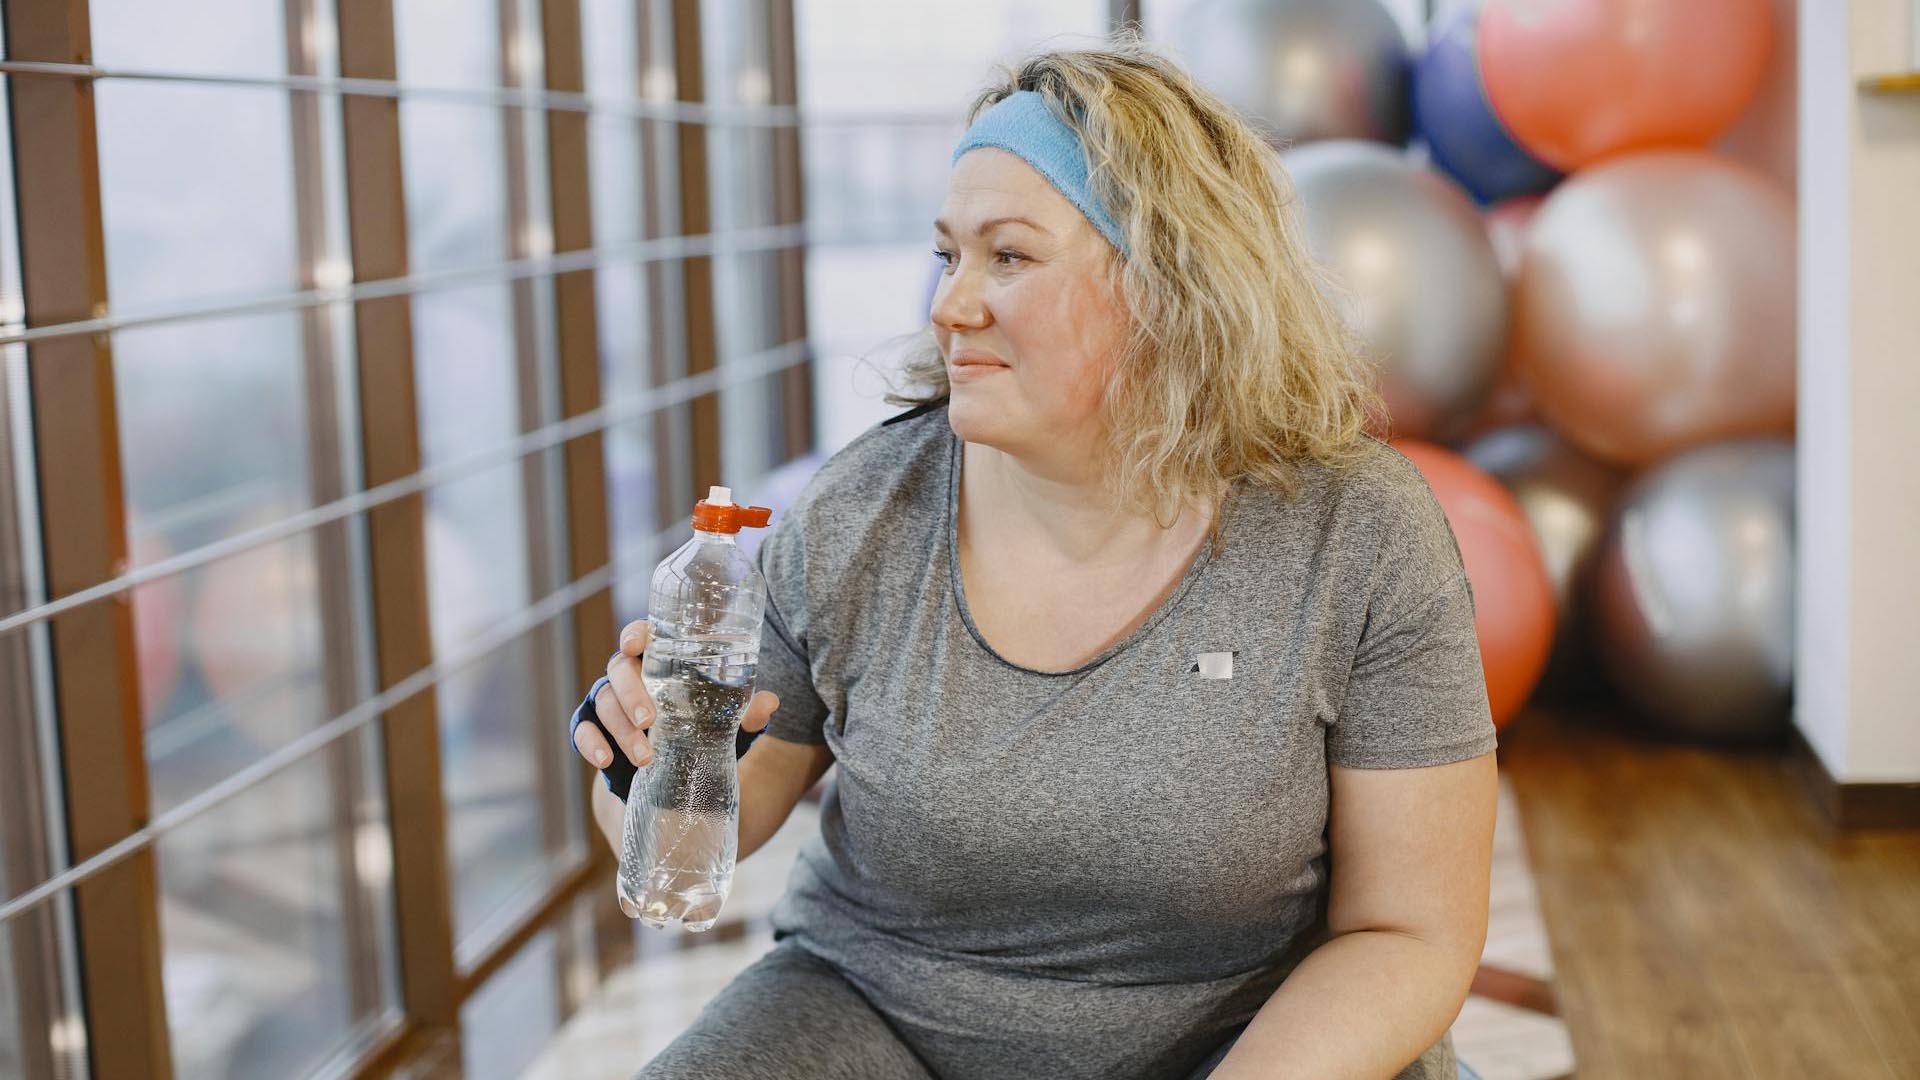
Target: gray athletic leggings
(790, 1016)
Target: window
(273, 909)
(334, 586)
(876, 172)
(476, 352)
(38, 979)
(738, 64)
(634, 163)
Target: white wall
(1858, 626)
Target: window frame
(363, 432)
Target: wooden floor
(1703, 921)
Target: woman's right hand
(626, 709)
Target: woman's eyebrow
(940, 225)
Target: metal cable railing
(682, 112)
(686, 112)
(609, 414)
(548, 607)
(739, 241)
(614, 412)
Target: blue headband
(1021, 124)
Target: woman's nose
(957, 302)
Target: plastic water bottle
(683, 810)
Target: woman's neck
(1063, 504)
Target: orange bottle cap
(717, 513)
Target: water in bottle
(683, 811)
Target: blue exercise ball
(1452, 114)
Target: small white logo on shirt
(1213, 665)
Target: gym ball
(1575, 81)
(1511, 400)
(1452, 114)
(1693, 591)
(1416, 275)
(1513, 611)
(1302, 69)
(1508, 223)
(1568, 499)
(1655, 306)
(1767, 136)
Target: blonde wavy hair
(1237, 363)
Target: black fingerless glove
(619, 772)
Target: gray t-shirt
(1102, 872)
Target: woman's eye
(1005, 258)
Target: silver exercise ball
(1654, 309)
(1302, 69)
(1568, 499)
(1418, 278)
(1693, 591)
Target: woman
(1152, 681)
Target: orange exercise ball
(1575, 81)
(1513, 611)
(1767, 137)
(1655, 306)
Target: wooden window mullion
(390, 446)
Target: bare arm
(1411, 853)
(773, 776)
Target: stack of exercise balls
(1583, 316)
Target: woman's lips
(967, 365)
(970, 372)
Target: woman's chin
(972, 419)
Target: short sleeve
(1416, 695)
(783, 665)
